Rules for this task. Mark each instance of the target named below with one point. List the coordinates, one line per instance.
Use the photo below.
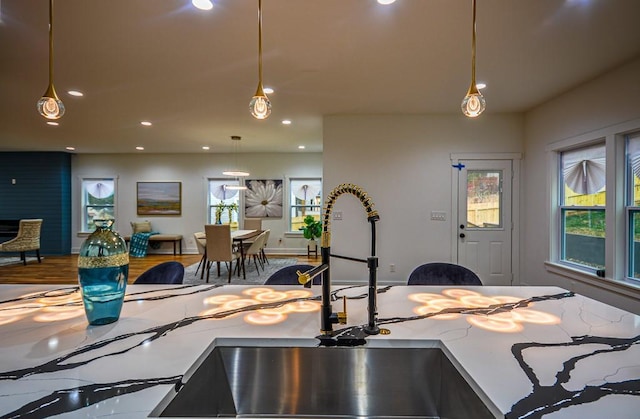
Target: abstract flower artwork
(263, 199)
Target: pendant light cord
(50, 42)
(473, 47)
(259, 41)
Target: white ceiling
(192, 72)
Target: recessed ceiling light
(268, 90)
(202, 4)
(205, 147)
(386, 1)
(55, 124)
(286, 122)
(145, 123)
(70, 148)
(139, 148)
(481, 85)
(75, 93)
(301, 147)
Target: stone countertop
(528, 351)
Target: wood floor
(64, 269)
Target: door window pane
(484, 198)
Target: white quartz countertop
(528, 351)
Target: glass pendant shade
(49, 105)
(260, 105)
(473, 103)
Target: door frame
(515, 204)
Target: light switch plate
(438, 215)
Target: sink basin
(323, 382)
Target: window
(305, 199)
(98, 197)
(484, 198)
(582, 206)
(224, 201)
(633, 204)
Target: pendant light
(49, 105)
(260, 106)
(236, 172)
(473, 103)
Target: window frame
(563, 208)
(84, 204)
(291, 205)
(210, 207)
(614, 277)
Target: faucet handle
(342, 315)
(303, 278)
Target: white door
(484, 219)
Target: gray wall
(192, 170)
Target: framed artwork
(159, 198)
(263, 198)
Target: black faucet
(328, 317)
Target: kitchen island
(527, 351)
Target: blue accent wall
(42, 189)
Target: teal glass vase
(103, 269)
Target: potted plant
(311, 230)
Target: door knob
(462, 226)
(462, 235)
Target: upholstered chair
(219, 248)
(252, 224)
(201, 243)
(254, 251)
(27, 240)
(171, 272)
(289, 275)
(442, 273)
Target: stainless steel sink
(324, 382)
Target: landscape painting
(159, 198)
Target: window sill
(622, 286)
(293, 234)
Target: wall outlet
(438, 215)
(337, 215)
(392, 267)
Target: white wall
(606, 101)
(192, 170)
(403, 162)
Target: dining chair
(219, 248)
(201, 242)
(263, 255)
(171, 272)
(254, 250)
(28, 239)
(289, 276)
(252, 224)
(440, 273)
